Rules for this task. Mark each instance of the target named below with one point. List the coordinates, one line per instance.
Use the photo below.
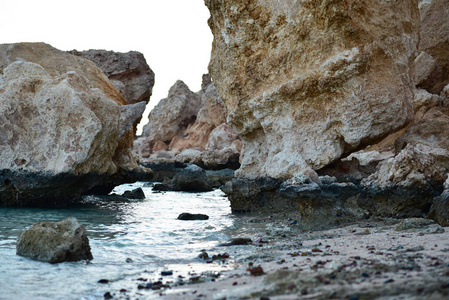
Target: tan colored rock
(211, 115)
(172, 115)
(55, 124)
(222, 137)
(160, 146)
(61, 122)
(434, 39)
(304, 82)
(58, 63)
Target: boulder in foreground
(55, 242)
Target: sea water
(128, 240)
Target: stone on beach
(55, 242)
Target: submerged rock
(190, 179)
(55, 242)
(192, 217)
(134, 194)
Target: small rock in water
(237, 241)
(103, 281)
(108, 295)
(134, 194)
(192, 217)
(166, 273)
(256, 271)
(55, 242)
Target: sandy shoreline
(368, 260)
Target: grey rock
(55, 242)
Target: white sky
(172, 34)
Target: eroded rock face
(191, 128)
(59, 126)
(129, 72)
(434, 41)
(172, 115)
(55, 242)
(304, 82)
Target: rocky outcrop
(171, 116)
(55, 242)
(60, 129)
(306, 82)
(128, 72)
(190, 128)
(434, 43)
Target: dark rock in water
(55, 242)
(190, 179)
(236, 242)
(192, 217)
(219, 177)
(439, 212)
(166, 273)
(134, 194)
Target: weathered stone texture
(307, 81)
(60, 124)
(129, 72)
(434, 40)
(55, 242)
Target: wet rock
(439, 212)
(413, 223)
(256, 271)
(219, 177)
(190, 179)
(192, 217)
(134, 194)
(55, 242)
(236, 242)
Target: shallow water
(129, 240)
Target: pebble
(167, 273)
(256, 271)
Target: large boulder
(129, 72)
(55, 242)
(306, 82)
(60, 126)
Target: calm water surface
(128, 240)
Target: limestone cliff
(60, 125)
(305, 82)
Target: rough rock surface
(305, 82)
(55, 242)
(172, 115)
(129, 72)
(190, 128)
(60, 125)
(439, 212)
(434, 40)
(190, 179)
